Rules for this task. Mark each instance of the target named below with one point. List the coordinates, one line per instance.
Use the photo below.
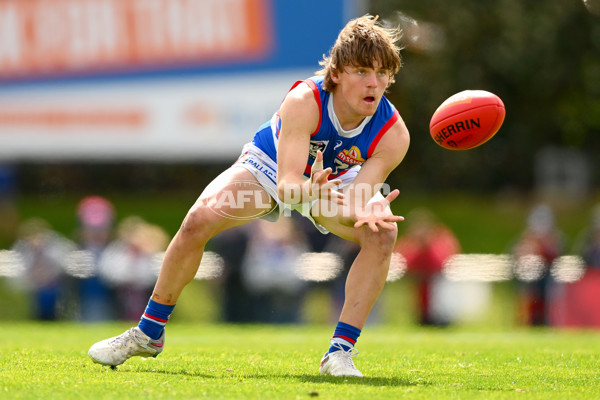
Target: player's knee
(198, 225)
(384, 240)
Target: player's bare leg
(368, 274)
(206, 218)
(364, 283)
(211, 214)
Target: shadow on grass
(305, 378)
(193, 374)
(370, 381)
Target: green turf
(49, 361)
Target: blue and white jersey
(341, 149)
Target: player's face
(359, 90)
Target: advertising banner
(151, 79)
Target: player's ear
(335, 76)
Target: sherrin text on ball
(467, 119)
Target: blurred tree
(541, 58)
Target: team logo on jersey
(317, 145)
(351, 156)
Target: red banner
(55, 37)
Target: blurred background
(114, 115)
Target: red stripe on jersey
(315, 90)
(331, 176)
(382, 132)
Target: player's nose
(371, 80)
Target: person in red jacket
(426, 245)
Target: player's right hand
(319, 186)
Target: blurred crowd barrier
(264, 272)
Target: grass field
(49, 361)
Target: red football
(467, 119)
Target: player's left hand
(378, 214)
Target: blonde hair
(361, 42)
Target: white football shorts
(264, 170)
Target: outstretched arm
(363, 208)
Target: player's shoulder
(302, 96)
(386, 108)
(301, 108)
(398, 127)
(396, 140)
(305, 90)
(391, 117)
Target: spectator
(538, 246)
(268, 269)
(426, 245)
(347, 251)
(43, 254)
(238, 303)
(270, 291)
(130, 264)
(589, 243)
(96, 216)
(575, 302)
(8, 211)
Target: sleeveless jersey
(341, 150)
